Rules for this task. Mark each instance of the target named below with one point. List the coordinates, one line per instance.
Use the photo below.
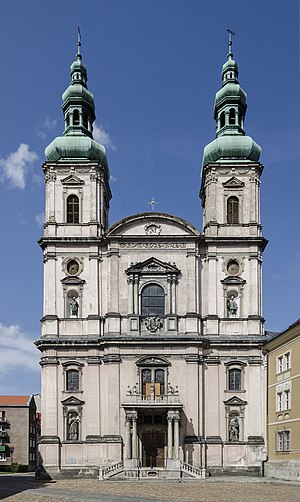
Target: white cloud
(112, 178)
(40, 219)
(47, 125)
(17, 350)
(102, 136)
(15, 167)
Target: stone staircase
(119, 472)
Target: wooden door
(153, 449)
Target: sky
(154, 68)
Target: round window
(233, 267)
(72, 267)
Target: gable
(152, 225)
(72, 180)
(233, 183)
(152, 266)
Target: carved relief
(152, 229)
(153, 324)
(153, 245)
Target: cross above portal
(153, 203)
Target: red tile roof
(14, 400)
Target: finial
(78, 43)
(153, 203)
(230, 33)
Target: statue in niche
(234, 429)
(74, 306)
(232, 306)
(73, 427)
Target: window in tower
(75, 117)
(72, 380)
(234, 379)
(153, 301)
(222, 119)
(232, 210)
(72, 209)
(232, 116)
(68, 119)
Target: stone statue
(234, 429)
(232, 306)
(73, 427)
(74, 307)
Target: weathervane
(152, 203)
(230, 33)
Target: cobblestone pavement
(24, 489)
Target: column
(176, 436)
(127, 438)
(134, 436)
(170, 435)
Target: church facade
(152, 332)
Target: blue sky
(154, 68)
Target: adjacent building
(152, 331)
(284, 404)
(18, 431)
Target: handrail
(106, 471)
(192, 470)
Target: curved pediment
(153, 361)
(152, 225)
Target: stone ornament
(153, 324)
(234, 429)
(152, 229)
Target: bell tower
(230, 194)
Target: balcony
(136, 400)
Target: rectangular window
(287, 360)
(287, 396)
(280, 364)
(283, 442)
(279, 401)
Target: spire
(229, 113)
(230, 33)
(79, 114)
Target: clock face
(72, 267)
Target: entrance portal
(153, 449)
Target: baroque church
(152, 331)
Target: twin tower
(152, 332)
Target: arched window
(153, 301)
(234, 379)
(232, 210)
(232, 116)
(72, 380)
(75, 117)
(72, 209)
(222, 119)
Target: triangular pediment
(233, 183)
(72, 180)
(153, 266)
(72, 401)
(235, 401)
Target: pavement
(23, 488)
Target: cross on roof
(230, 33)
(152, 203)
